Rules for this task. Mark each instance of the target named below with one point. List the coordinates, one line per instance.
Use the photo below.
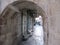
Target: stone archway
(17, 6)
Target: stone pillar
(1, 22)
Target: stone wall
(4, 3)
(11, 32)
(54, 29)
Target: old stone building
(17, 19)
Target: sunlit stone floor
(37, 37)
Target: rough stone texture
(11, 33)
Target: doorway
(37, 34)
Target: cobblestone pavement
(37, 37)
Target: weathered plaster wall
(54, 30)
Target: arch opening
(18, 13)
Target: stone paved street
(37, 37)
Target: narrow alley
(20, 22)
(36, 38)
